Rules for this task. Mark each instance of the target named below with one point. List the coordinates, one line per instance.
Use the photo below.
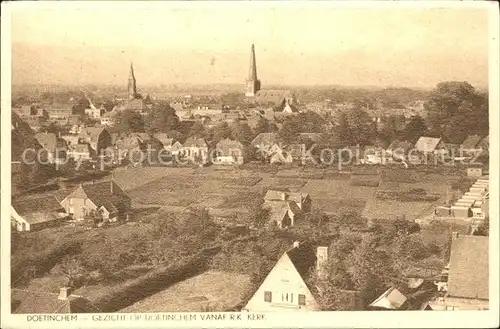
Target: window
(268, 296)
(70, 201)
(302, 299)
(287, 298)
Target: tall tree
(414, 129)
(222, 131)
(129, 121)
(162, 118)
(242, 132)
(455, 103)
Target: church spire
(252, 84)
(252, 74)
(132, 88)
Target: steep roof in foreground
(469, 266)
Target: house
(264, 141)
(286, 287)
(275, 97)
(398, 149)
(467, 285)
(280, 157)
(98, 138)
(94, 113)
(229, 151)
(70, 139)
(428, 145)
(108, 119)
(80, 152)
(40, 302)
(105, 197)
(34, 214)
(195, 150)
(471, 145)
(391, 299)
(54, 148)
(286, 208)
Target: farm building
(105, 197)
(459, 211)
(285, 208)
(195, 150)
(36, 213)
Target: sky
(203, 43)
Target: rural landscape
(250, 196)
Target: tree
(221, 131)
(198, 130)
(360, 126)
(483, 228)
(264, 126)
(290, 130)
(343, 134)
(242, 132)
(455, 103)
(129, 121)
(161, 118)
(72, 269)
(414, 129)
(81, 104)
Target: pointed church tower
(132, 89)
(252, 84)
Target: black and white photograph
(221, 163)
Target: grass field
(229, 188)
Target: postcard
(250, 164)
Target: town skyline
(417, 43)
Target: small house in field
(264, 141)
(286, 209)
(106, 198)
(34, 214)
(229, 151)
(467, 284)
(429, 145)
(41, 302)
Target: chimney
(454, 235)
(321, 261)
(296, 244)
(111, 186)
(64, 293)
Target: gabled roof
(165, 139)
(48, 141)
(100, 194)
(427, 144)
(39, 302)
(264, 139)
(227, 144)
(195, 142)
(275, 195)
(469, 267)
(303, 258)
(391, 299)
(405, 146)
(471, 142)
(91, 133)
(37, 210)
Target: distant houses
(195, 150)
(54, 147)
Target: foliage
(242, 132)
(161, 118)
(414, 129)
(129, 121)
(455, 110)
(483, 228)
(222, 131)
